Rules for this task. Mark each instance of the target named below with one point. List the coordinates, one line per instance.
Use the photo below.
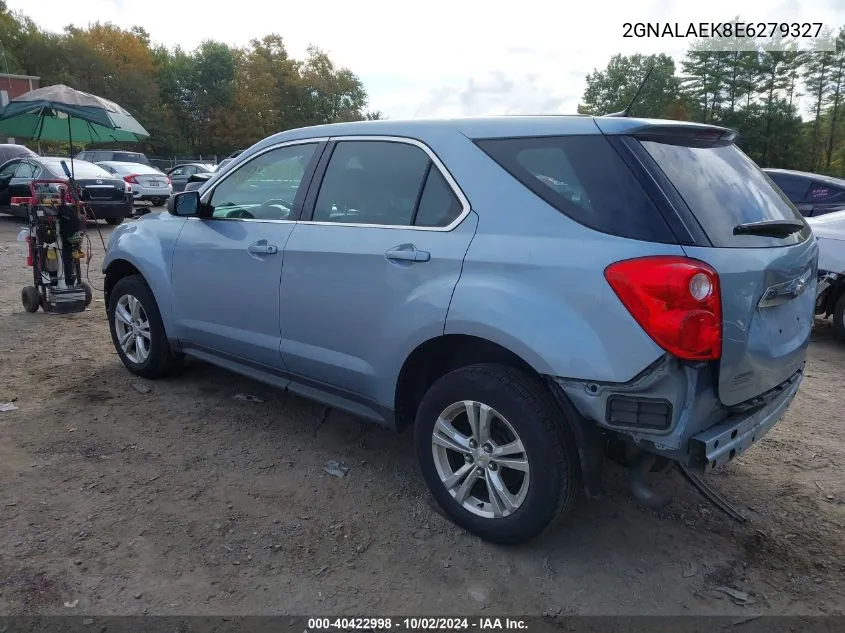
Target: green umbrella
(59, 113)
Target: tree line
(787, 105)
(212, 100)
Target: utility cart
(56, 234)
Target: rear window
(81, 169)
(724, 188)
(584, 178)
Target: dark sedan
(812, 194)
(105, 196)
(180, 175)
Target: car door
(179, 177)
(370, 271)
(227, 266)
(6, 175)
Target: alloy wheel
(480, 459)
(133, 329)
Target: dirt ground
(185, 500)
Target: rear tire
(523, 416)
(839, 319)
(114, 221)
(150, 355)
(30, 298)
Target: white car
(829, 230)
(147, 183)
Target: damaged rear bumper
(672, 410)
(720, 444)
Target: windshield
(724, 188)
(81, 168)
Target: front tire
(137, 331)
(114, 221)
(496, 453)
(839, 319)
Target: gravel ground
(177, 498)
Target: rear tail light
(133, 179)
(676, 300)
(167, 179)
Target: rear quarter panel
(533, 279)
(148, 245)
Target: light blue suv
(530, 294)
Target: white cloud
(439, 57)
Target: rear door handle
(262, 248)
(407, 253)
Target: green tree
(706, 73)
(837, 87)
(774, 80)
(816, 75)
(333, 94)
(611, 89)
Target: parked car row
(146, 182)
(107, 197)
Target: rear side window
(794, 187)
(584, 178)
(26, 170)
(724, 188)
(438, 205)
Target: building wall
(12, 86)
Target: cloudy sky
(439, 57)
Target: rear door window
(584, 178)
(723, 188)
(372, 182)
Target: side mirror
(184, 203)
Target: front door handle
(262, 248)
(407, 253)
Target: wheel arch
(121, 267)
(115, 271)
(438, 356)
